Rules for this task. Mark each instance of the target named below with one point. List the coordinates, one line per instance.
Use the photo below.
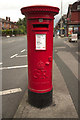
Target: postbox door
(40, 53)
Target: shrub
(3, 32)
(15, 32)
(21, 30)
(7, 32)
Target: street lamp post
(61, 18)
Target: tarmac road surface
(14, 73)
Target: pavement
(62, 106)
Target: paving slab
(62, 106)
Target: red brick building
(70, 22)
(73, 18)
(7, 24)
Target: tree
(19, 22)
(22, 25)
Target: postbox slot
(40, 25)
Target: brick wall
(75, 16)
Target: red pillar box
(40, 53)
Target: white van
(73, 37)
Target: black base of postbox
(40, 100)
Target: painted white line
(13, 56)
(0, 63)
(21, 56)
(13, 67)
(23, 50)
(5, 92)
(55, 50)
(69, 44)
(60, 47)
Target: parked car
(78, 35)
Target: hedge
(11, 32)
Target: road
(14, 73)
(14, 70)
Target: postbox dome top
(40, 8)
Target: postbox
(40, 53)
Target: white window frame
(78, 7)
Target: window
(75, 30)
(6, 25)
(78, 7)
(2, 25)
(10, 26)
